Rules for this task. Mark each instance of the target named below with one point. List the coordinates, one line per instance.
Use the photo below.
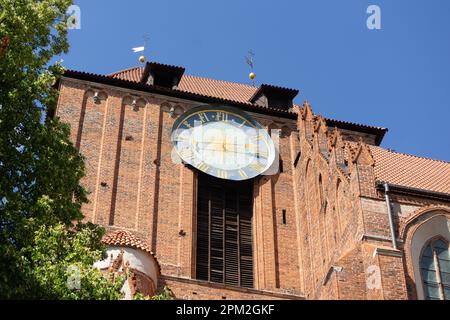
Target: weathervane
(249, 60)
(142, 58)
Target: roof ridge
(410, 155)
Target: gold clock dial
(223, 142)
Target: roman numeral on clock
(256, 138)
(203, 117)
(255, 166)
(222, 174)
(222, 116)
(181, 139)
(187, 124)
(243, 174)
(187, 154)
(203, 167)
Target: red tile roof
(217, 88)
(411, 171)
(132, 74)
(123, 238)
(209, 87)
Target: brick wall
(189, 289)
(135, 185)
(332, 209)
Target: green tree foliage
(40, 169)
(61, 264)
(165, 295)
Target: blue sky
(397, 77)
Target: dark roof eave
(394, 188)
(291, 93)
(176, 70)
(378, 132)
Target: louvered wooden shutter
(224, 231)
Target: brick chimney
(274, 97)
(162, 75)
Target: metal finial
(249, 59)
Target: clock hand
(214, 142)
(236, 152)
(223, 153)
(223, 148)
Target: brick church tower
(339, 218)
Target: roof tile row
(123, 238)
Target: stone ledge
(374, 237)
(388, 252)
(214, 285)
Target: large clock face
(223, 142)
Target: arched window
(320, 191)
(338, 203)
(435, 270)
